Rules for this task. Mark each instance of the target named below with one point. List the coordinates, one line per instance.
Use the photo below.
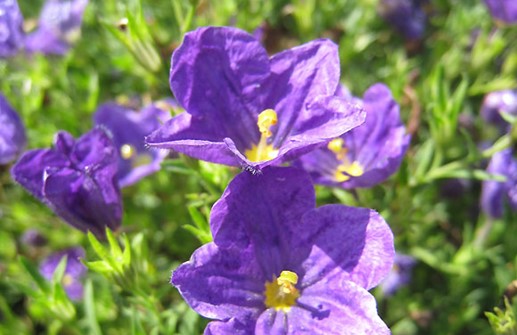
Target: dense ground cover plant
(117, 115)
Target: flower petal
(189, 135)
(221, 283)
(231, 326)
(494, 193)
(216, 75)
(298, 76)
(11, 30)
(87, 204)
(12, 132)
(29, 169)
(265, 211)
(333, 308)
(356, 241)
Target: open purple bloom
(406, 16)
(278, 265)
(400, 274)
(498, 102)
(503, 10)
(366, 155)
(77, 179)
(59, 26)
(12, 132)
(246, 109)
(74, 270)
(11, 31)
(129, 129)
(494, 194)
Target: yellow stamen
(127, 151)
(67, 280)
(346, 169)
(281, 293)
(263, 151)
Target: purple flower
(74, 270)
(498, 102)
(129, 129)
(278, 265)
(503, 10)
(400, 274)
(11, 31)
(406, 16)
(59, 26)
(246, 109)
(12, 132)
(368, 154)
(77, 179)
(495, 193)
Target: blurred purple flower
(278, 265)
(503, 10)
(129, 129)
(366, 155)
(59, 26)
(11, 30)
(494, 194)
(74, 270)
(498, 102)
(77, 179)
(406, 16)
(400, 274)
(246, 109)
(33, 238)
(12, 132)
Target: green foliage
(465, 260)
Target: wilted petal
(76, 179)
(28, 171)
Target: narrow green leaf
(89, 309)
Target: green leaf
(89, 309)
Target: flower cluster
(277, 264)
(59, 26)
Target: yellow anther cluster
(266, 120)
(127, 151)
(346, 169)
(281, 293)
(264, 151)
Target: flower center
(67, 280)
(346, 169)
(127, 151)
(263, 151)
(281, 293)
